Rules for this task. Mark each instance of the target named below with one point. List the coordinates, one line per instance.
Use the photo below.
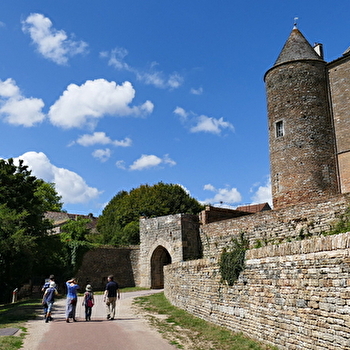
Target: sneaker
(112, 318)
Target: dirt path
(128, 331)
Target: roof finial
(295, 22)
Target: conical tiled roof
(297, 48)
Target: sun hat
(88, 288)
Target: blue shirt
(72, 290)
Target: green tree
(119, 222)
(22, 224)
(50, 199)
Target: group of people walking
(110, 296)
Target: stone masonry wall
(98, 263)
(339, 82)
(178, 234)
(295, 295)
(275, 226)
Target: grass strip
(189, 332)
(14, 316)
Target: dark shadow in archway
(160, 257)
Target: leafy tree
(75, 230)
(47, 192)
(22, 223)
(119, 222)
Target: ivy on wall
(232, 260)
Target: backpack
(89, 302)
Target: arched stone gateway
(165, 240)
(159, 259)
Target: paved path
(128, 331)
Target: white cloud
(223, 195)
(181, 113)
(83, 105)
(17, 109)
(150, 76)
(202, 123)
(209, 187)
(120, 164)
(103, 139)
(71, 186)
(175, 80)
(167, 160)
(53, 44)
(150, 161)
(263, 194)
(198, 91)
(102, 154)
(116, 58)
(211, 125)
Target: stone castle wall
(275, 226)
(98, 263)
(339, 83)
(294, 296)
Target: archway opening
(159, 259)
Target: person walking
(110, 295)
(72, 299)
(47, 283)
(48, 300)
(88, 301)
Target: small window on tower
(279, 129)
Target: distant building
(254, 208)
(214, 214)
(308, 102)
(60, 218)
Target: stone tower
(301, 137)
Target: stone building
(59, 219)
(308, 112)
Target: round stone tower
(301, 139)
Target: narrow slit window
(279, 129)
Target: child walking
(88, 301)
(48, 300)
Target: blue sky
(103, 96)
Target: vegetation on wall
(75, 235)
(343, 224)
(119, 222)
(232, 260)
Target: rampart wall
(101, 262)
(295, 295)
(274, 226)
